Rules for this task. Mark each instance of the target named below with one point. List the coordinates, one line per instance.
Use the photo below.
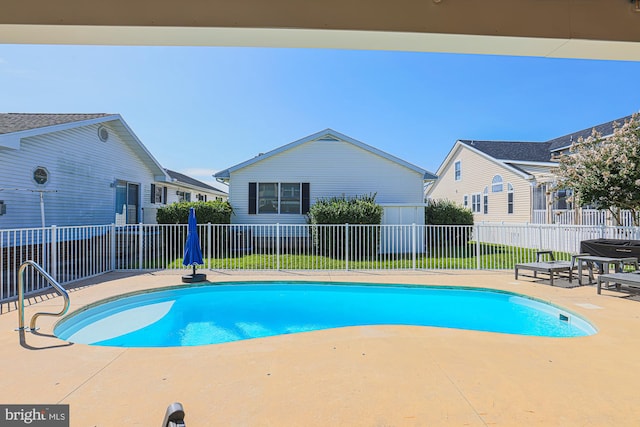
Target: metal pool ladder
(63, 293)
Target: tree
(605, 172)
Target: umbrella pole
(194, 269)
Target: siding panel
(81, 171)
(477, 172)
(332, 169)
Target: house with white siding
(182, 188)
(510, 181)
(73, 169)
(279, 186)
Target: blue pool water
(211, 314)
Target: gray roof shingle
(17, 122)
(513, 151)
(604, 129)
(191, 181)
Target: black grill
(611, 248)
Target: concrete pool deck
(356, 376)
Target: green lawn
(492, 257)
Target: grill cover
(611, 248)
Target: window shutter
(305, 198)
(153, 193)
(252, 198)
(164, 195)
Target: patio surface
(356, 376)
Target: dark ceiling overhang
(598, 29)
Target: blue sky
(202, 109)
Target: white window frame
(476, 202)
(510, 199)
(465, 200)
(158, 196)
(497, 184)
(485, 201)
(457, 170)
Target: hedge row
(343, 210)
(215, 212)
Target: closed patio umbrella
(192, 251)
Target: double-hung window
(267, 197)
(496, 184)
(509, 198)
(485, 200)
(457, 170)
(475, 203)
(158, 194)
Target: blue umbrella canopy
(192, 251)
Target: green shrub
(361, 210)
(342, 210)
(215, 212)
(447, 213)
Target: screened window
(485, 200)
(540, 197)
(457, 170)
(496, 184)
(267, 197)
(509, 198)
(290, 198)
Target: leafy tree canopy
(605, 172)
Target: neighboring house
(508, 181)
(280, 186)
(182, 188)
(88, 169)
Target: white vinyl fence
(70, 254)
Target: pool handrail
(63, 293)
(174, 416)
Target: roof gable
(328, 136)
(14, 127)
(461, 145)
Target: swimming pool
(218, 313)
